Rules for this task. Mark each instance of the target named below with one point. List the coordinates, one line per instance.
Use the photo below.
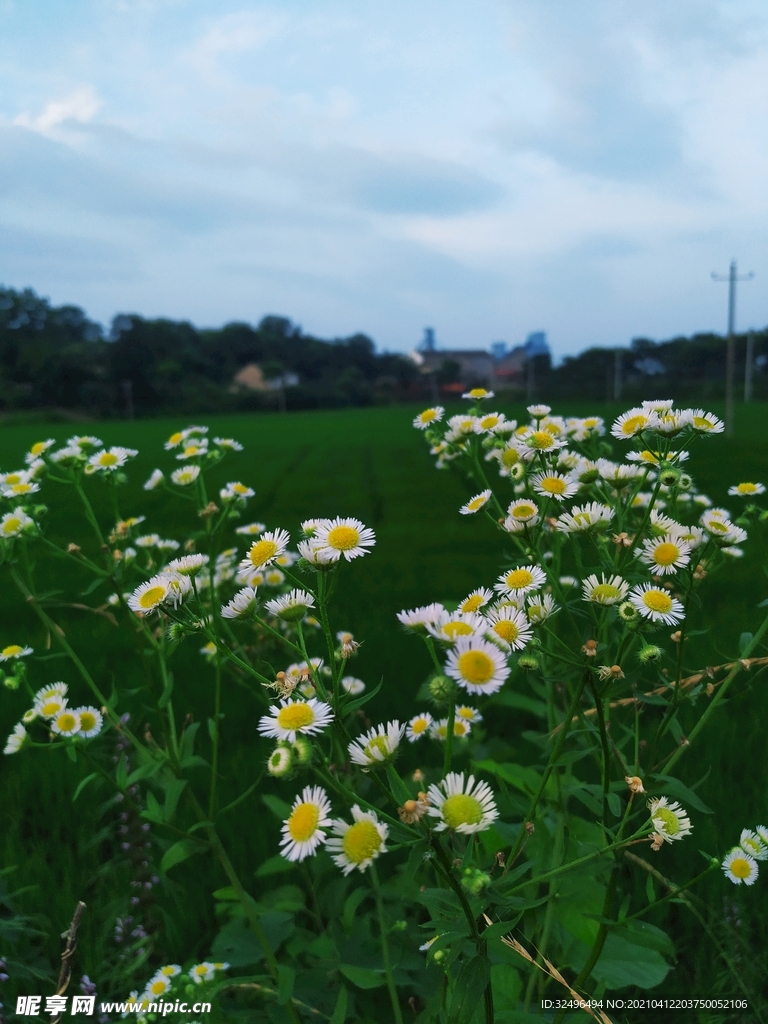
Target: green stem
(606, 770)
(396, 1011)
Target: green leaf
(650, 892)
(237, 944)
(527, 780)
(229, 893)
(399, 788)
(363, 977)
(677, 789)
(614, 804)
(507, 988)
(274, 866)
(440, 902)
(83, 783)
(121, 772)
(165, 696)
(173, 791)
(279, 808)
(351, 904)
(744, 641)
(286, 978)
(71, 752)
(180, 851)
(154, 811)
(359, 701)
(511, 699)
(145, 771)
(187, 741)
(473, 977)
(340, 1009)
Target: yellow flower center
(657, 601)
(454, 629)
(377, 743)
(666, 553)
(427, 416)
(38, 449)
(466, 713)
(361, 841)
(718, 526)
(12, 651)
(462, 810)
(478, 393)
(12, 525)
(239, 488)
(489, 421)
(66, 722)
(605, 592)
(472, 603)
(746, 488)
(506, 630)
(302, 823)
(553, 485)
(13, 478)
(107, 459)
(476, 667)
(754, 846)
(158, 987)
(419, 726)
(50, 708)
(540, 439)
(590, 422)
(476, 503)
(553, 429)
(460, 728)
(87, 721)
(175, 438)
(295, 716)
(633, 424)
(152, 597)
(740, 867)
(343, 538)
(702, 423)
(666, 821)
(519, 578)
(261, 552)
(509, 457)
(523, 511)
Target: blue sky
(488, 168)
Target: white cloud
(81, 105)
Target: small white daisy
(607, 590)
(235, 491)
(352, 685)
(428, 417)
(522, 580)
(467, 714)
(185, 476)
(476, 600)
(462, 805)
(377, 746)
(751, 843)
(357, 845)
(264, 551)
(343, 537)
(14, 651)
(669, 819)
(554, 485)
(539, 608)
(296, 717)
(111, 459)
(740, 867)
(418, 726)
(509, 628)
(418, 619)
(16, 740)
(476, 503)
(665, 554)
(656, 604)
(291, 607)
(147, 597)
(706, 423)
(251, 529)
(585, 517)
(91, 721)
(477, 665)
(66, 723)
(187, 565)
(15, 522)
(202, 972)
(634, 422)
(303, 829)
(229, 443)
(155, 479)
(449, 626)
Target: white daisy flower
(148, 540)
(195, 449)
(554, 485)
(352, 685)
(618, 475)
(509, 628)
(147, 597)
(156, 477)
(428, 417)
(522, 580)
(439, 730)
(14, 523)
(740, 867)
(111, 459)
(418, 726)
(419, 619)
(51, 704)
(672, 422)
(449, 626)
(20, 490)
(66, 723)
(606, 591)
(242, 604)
(52, 690)
(235, 491)
(751, 843)
(669, 819)
(314, 553)
(291, 607)
(251, 529)
(264, 551)
(476, 600)
(532, 442)
(477, 665)
(71, 453)
(523, 511)
(478, 394)
(178, 584)
(656, 604)
(461, 804)
(14, 651)
(359, 844)
(202, 972)
(303, 829)
(539, 608)
(185, 476)
(175, 440)
(489, 422)
(634, 422)
(665, 554)
(507, 457)
(585, 517)
(168, 545)
(38, 449)
(343, 537)
(746, 490)
(467, 714)
(705, 423)
(170, 971)
(91, 721)
(273, 577)
(296, 717)
(229, 443)
(537, 411)
(476, 503)
(16, 740)
(86, 441)
(188, 565)
(377, 746)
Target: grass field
(371, 464)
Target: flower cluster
(740, 865)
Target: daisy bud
(413, 811)
(669, 475)
(442, 690)
(590, 648)
(280, 761)
(635, 783)
(610, 672)
(11, 683)
(676, 637)
(628, 613)
(528, 663)
(474, 880)
(650, 653)
(302, 750)
(685, 483)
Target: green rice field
(372, 464)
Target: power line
(730, 351)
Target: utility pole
(618, 363)
(748, 366)
(730, 353)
